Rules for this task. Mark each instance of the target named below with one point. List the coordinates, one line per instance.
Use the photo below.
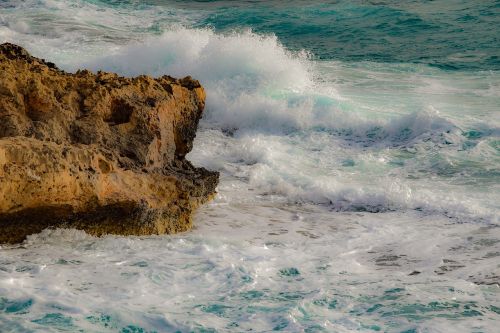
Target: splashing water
(359, 177)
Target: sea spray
(358, 146)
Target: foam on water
(303, 269)
(354, 196)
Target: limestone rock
(97, 152)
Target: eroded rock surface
(96, 152)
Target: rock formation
(96, 152)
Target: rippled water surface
(359, 150)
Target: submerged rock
(96, 152)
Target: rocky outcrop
(96, 152)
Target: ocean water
(359, 149)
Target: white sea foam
(307, 150)
(307, 268)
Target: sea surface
(359, 149)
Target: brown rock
(96, 152)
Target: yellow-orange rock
(96, 152)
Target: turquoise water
(447, 34)
(359, 149)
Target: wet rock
(97, 152)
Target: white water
(260, 267)
(338, 180)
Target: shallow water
(304, 269)
(359, 150)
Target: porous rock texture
(97, 152)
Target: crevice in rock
(120, 112)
